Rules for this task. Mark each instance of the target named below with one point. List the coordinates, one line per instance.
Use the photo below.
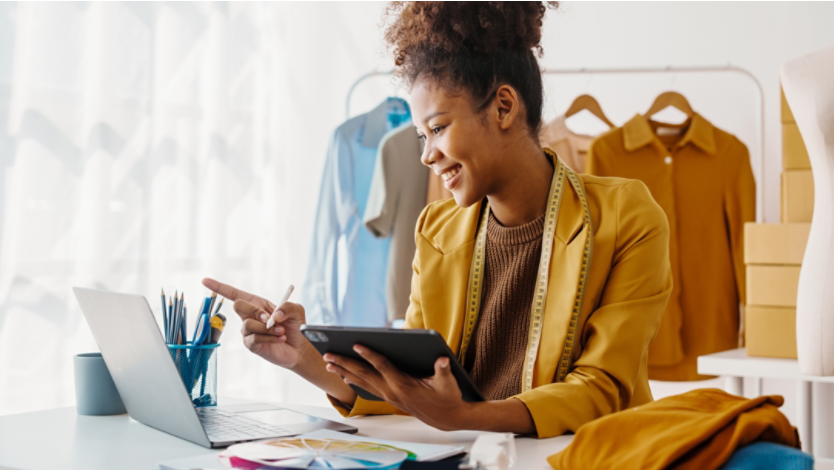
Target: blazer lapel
(447, 256)
(564, 274)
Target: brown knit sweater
(495, 355)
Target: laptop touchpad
(280, 417)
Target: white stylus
(270, 323)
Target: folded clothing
(699, 430)
(771, 456)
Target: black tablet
(411, 351)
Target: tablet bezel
(413, 351)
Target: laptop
(135, 352)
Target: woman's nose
(430, 156)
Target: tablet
(412, 351)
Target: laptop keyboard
(223, 426)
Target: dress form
(808, 83)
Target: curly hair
(471, 46)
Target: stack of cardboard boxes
(773, 253)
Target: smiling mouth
(451, 173)
(451, 176)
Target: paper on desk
(205, 461)
(423, 452)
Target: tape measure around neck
(474, 289)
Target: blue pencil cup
(198, 369)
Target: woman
(551, 346)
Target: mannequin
(807, 82)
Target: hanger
(670, 98)
(588, 103)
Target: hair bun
(465, 27)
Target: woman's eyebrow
(433, 115)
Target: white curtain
(148, 145)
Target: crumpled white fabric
(493, 451)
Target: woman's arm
(283, 345)
(435, 400)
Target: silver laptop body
(135, 352)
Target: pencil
(219, 305)
(270, 323)
(170, 321)
(182, 318)
(164, 312)
(176, 318)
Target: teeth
(450, 174)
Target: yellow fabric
(702, 179)
(626, 293)
(698, 430)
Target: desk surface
(736, 363)
(61, 439)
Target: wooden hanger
(588, 103)
(670, 98)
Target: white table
(735, 364)
(60, 439)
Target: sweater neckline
(521, 235)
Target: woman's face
(460, 145)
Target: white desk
(60, 439)
(735, 364)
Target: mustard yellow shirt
(627, 289)
(701, 177)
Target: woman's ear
(507, 106)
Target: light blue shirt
(352, 295)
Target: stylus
(270, 323)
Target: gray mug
(95, 392)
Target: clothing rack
(760, 186)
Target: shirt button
(668, 160)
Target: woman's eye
(437, 129)
(421, 136)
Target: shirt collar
(637, 133)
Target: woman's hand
(283, 344)
(435, 400)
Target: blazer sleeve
(617, 334)
(413, 319)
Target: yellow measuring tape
(474, 289)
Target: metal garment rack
(760, 187)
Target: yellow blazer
(630, 281)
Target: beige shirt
(397, 196)
(571, 147)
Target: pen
(211, 303)
(270, 323)
(217, 323)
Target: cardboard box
(797, 204)
(775, 243)
(770, 331)
(772, 286)
(787, 115)
(794, 153)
